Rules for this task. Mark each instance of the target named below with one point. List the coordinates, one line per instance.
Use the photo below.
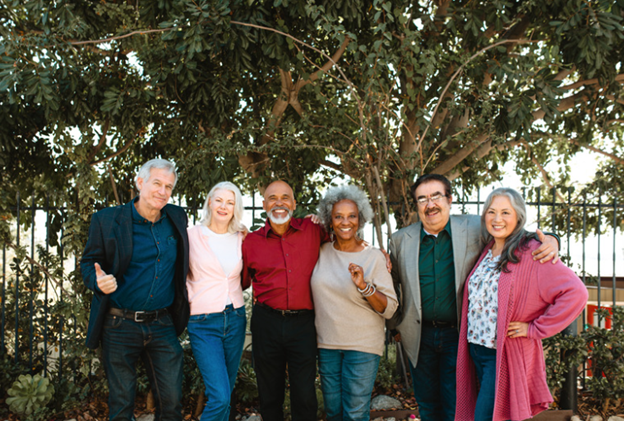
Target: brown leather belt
(138, 316)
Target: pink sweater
(548, 297)
(206, 283)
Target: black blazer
(110, 245)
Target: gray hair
(352, 193)
(236, 223)
(146, 170)
(519, 238)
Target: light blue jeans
(217, 341)
(347, 380)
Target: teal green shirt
(437, 276)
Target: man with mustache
(430, 262)
(278, 260)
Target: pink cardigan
(548, 297)
(207, 285)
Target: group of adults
(467, 298)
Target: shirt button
(289, 270)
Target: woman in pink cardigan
(217, 323)
(510, 304)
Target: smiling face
(279, 203)
(501, 219)
(345, 220)
(154, 193)
(221, 206)
(434, 215)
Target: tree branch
(112, 180)
(119, 152)
(597, 150)
(97, 148)
(457, 73)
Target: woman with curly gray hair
(353, 294)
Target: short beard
(280, 221)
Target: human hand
(357, 275)
(106, 283)
(397, 337)
(388, 261)
(314, 218)
(517, 330)
(548, 250)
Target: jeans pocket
(240, 312)
(165, 320)
(112, 322)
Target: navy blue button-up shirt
(148, 282)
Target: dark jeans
(277, 341)
(124, 342)
(434, 375)
(484, 360)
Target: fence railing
(36, 274)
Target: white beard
(277, 220)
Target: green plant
(602, 352)
(246, 389)
(29, 393)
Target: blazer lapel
(123, 234)
(412, 250)
(459, 234)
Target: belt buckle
(136, 318)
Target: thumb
(98, 270)
(540, 235)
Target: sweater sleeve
(383, 282)
(566, 295)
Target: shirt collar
(424, 233)
(294, 223)
(136, 216)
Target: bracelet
(368, 291)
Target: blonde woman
(217, 323)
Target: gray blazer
(404, 251)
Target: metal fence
(589, 233)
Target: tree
(379, 91)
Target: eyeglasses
(423, 200)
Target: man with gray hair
(136, 262)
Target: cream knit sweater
(344, 319)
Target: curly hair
(349, 192)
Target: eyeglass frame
(435, 198)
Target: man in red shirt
(279, 259)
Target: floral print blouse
(483, 302)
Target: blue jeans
(434, 375)
(217, 341)
(484, 360)
(347, 380)
(156, 343)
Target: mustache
(433, 209)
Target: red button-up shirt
(280, 267)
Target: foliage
(246, 388)
(311, 91)
(601, 351)
(29, 393)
